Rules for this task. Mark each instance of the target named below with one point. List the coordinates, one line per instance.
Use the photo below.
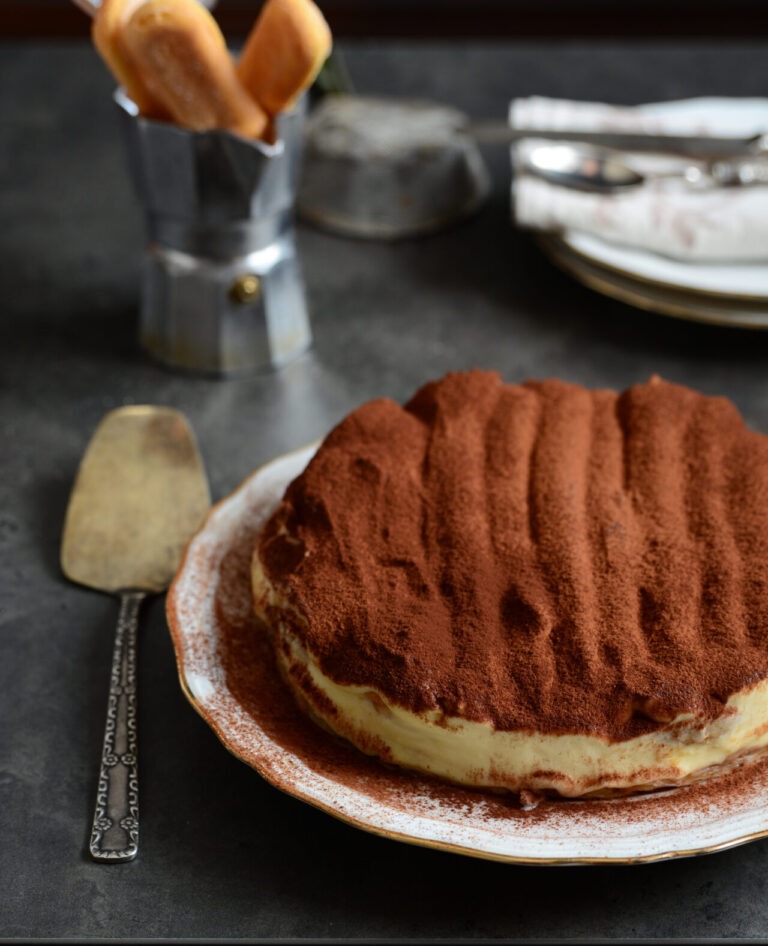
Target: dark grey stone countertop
(224, 855)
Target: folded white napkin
(664, 215)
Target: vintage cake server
(140, 493)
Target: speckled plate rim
(629, 831)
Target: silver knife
(712, 146)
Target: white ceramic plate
(654, 297)
(227, 672)
(739, 117)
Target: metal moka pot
(222, 291)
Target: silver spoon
(602, 170)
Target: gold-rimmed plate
(680, 303)
(718, 292)
(227, 672)
(738, 282)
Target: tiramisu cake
(538, 587)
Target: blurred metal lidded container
(222, 291)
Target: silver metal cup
(383, 169)
(222, 291)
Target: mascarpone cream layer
(476, 754)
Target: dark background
(453, 18)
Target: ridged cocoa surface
(540, 556)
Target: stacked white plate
(724, 293)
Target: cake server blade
(140, 493)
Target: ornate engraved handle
(115, 832)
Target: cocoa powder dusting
(537, 556)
